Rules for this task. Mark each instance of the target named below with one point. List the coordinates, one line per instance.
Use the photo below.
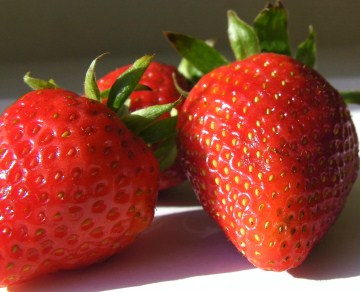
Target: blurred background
(59, 39)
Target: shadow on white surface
(185, 243)
(177, 246)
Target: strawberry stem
(180, 90)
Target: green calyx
(145, 122)
(271, 26)
(242, 37)
(193, 49)
(122, 88)
(35, 83)
(268, 33)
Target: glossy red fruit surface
(76, 185)
(272, 153)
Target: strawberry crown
(269, 33)
(143, 122)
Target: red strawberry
(270, 150)
(159, 78)
(76, 185)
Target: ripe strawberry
(271, 152)
(268, 146)
(76, 185)
(159, 78)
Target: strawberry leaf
(166, 153)
(127, 82)
(189, 71)
(141, 87)
(272, 30)
(242, 37)
(162, 132)
(139, 120)
(36, 83)
(201, 55)
(104, 93)
(306, 51)
(91, 89)
(138, 87)
(159, 130)
(351, 96)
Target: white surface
(183, 249)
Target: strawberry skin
(272, 153)
(158, 77)
(76, 185)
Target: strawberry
(76, 185)
(267, 143)
(158, 77)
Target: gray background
(59, 39)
